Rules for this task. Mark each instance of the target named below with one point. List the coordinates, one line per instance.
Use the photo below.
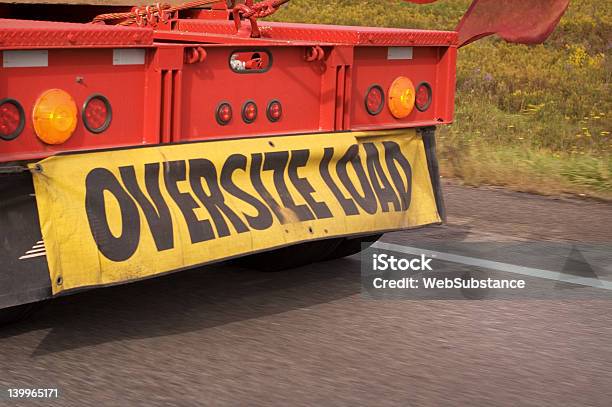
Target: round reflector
(375, 100)
(249, 112)
(401, 97)
(97, 113)
(423, 96)
(275, 111)
(224, 114)
(54, 116)
(12, 119)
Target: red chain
(148, 15)
(252, 12)
(260, 10)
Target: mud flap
(429, 141)
(24, 276)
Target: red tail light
(423, 96)
(97, 113)
(375, 100)
(12, 119)
(224, 114)
(275, 111)
(249, 112)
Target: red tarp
(521, 21)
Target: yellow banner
(115, 216)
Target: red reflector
(12, 119)
(423, 96)
(249, 112)
(275, 111)
(224, 114)
(375, 100)
(97, 113)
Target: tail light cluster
(250, 112)
(55, 116)
(402, 98)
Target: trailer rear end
(175, 137)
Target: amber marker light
(401, 97)
(54, 116)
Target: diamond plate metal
(23, 33)
(330, 34)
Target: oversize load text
(375, 177)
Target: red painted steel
(45, 34)
(367, 72)
(319, 74)
(328, 34)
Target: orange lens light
(401, 97)
(54, 116)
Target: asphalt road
(226, 336)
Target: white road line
(38, 246)
(40, 242)
(35, 251)
(494, 265)
(29, 256)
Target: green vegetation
(535, 118)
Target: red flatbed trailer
(174, 137)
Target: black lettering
(199, 230)
(299, 158)
(368, 201)
(256, 167)
(214, 202)
(393, 155)
(157, 213)
(382, 187)
(263, 220)
(347, 204)
(277, 162)
(113, 248)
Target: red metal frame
(320, 74)
(20, 34)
